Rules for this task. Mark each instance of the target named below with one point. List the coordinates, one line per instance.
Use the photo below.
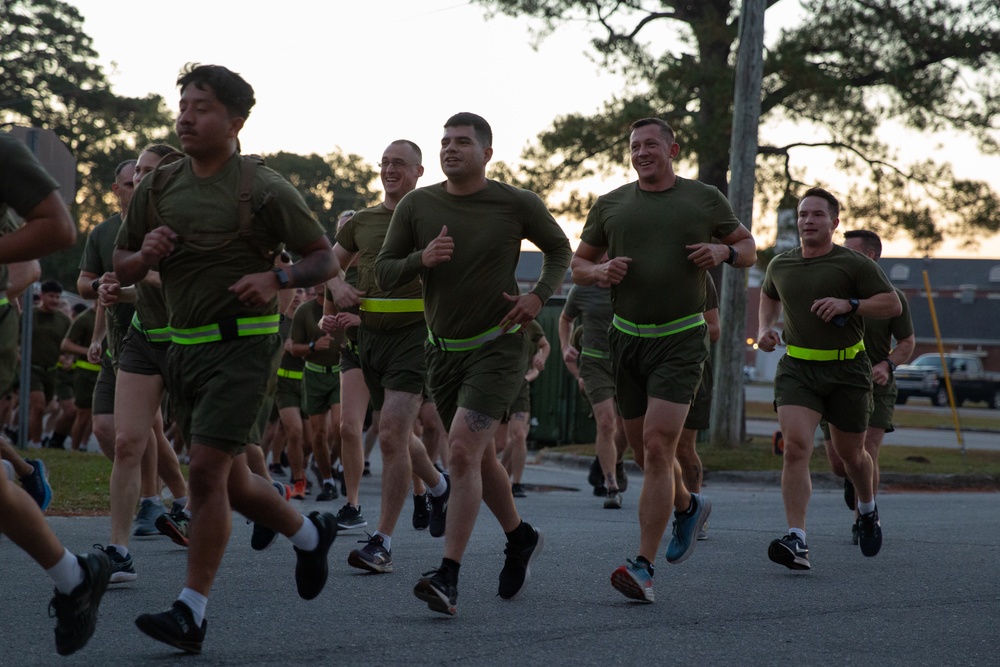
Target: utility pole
(727, 425)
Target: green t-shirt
(653, 228)
(364, 234)
(463, 297)
(798, 282)
(196, 281)
(289, 361)
(97, 258)
(81, 331)
(305, 329)
(47, 333)
(592, 304)
(879, 333)
(24, 183)
(7, 225)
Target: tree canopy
(847, 71)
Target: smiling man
(825, 291)
(658, 235)
(213, 224)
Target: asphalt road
(931, 597)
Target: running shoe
(517, 564)
(439, 590)
(174, 627)
(76, 612)
(122, 568)
(620, 477)
(855, 533)
(349, 517)
(373, 557)
(311, 568)
(789, 551)
(276, 469)
(145, 521)
(686, 527)
(439, 510)
(634, 580)
(596, 478)
(368, 469)
(517, 490)
(421, 511)
(299, 489)
(869, 533)
(328, 492)
(174, 525)
(36, 483)
(613, 501)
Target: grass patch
(80, 481)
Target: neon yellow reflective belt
(316, 368)
(161, 335)
(595, 354)
(466, 344)
(231, 330)
(658, 330)
(4, 300)
(808, 354)
(392, 305)
(291, 375)
(86, 365)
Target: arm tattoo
(477, 421)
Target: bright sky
(352, 76)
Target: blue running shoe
(634, 580)
(36, 483)
(686, 529)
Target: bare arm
(899, 355)
(709, 255)
(587, 269)
(48, 227)
(21, 275)
(712, 320)
(315, 267)
(881, 306)
(770, 310)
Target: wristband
(854, 305)
(282, 278)
(733, 255)
(312, 346)
(96, 284)
(892, 366)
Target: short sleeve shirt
(879, 333)
(593, 305)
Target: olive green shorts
(667, 368)
(393, 360)
(349, 359)
(485, 380)
(598, 378)
(217, 388)
(64, 383)
(103, 402)
(699, 416)
(288, 393)
(264, 413)
(141, 357)
(43, 380)
(9, 335)
(320, 390)
(522, 402)
(84, 381)
(841, 391)
(883, 405)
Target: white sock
(182, 501)
(386, 540)
(799, 533)
(67, 574)
(120, 549)
(439, 488)
(866, 508)
(306, 538)
(196, 602)
(153, 499)
(331, 481)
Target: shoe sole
(623, 582)
(355, 559)
(175, 536)
(780, 554)
(122, 577)
(153, 631)
(352, 526)
(435, 601)
(699, 525)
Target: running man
(462, 238)
(658, 235)
(825, 290)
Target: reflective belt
(808, 354)
(4, 300)
(392, 305)
(161, 335)
(316, 368)
(466, 344)
(658, 330)
(291, 375)
(595, 354)
(227, 330)
(86, 365)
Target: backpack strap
(166, 168)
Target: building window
(900, 273)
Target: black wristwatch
(312, 346)
(733, 255)
(96, 284)
(282, 278)
(854, 305)
(892, 366)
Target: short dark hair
(51, 286)
(484, 133)
(163, 150)
(665, 129)
(79, 308)
(834, 205)
(870, 241)
(412, 145)
(229, 87)
(123, 164)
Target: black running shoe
(368, 469)
(311, 568)
(373, 557)
(349, 517)
(620, 477)
(517, 490)
(438, 589)
(596, 478)
(76, 613)
(421, 511)
(789, 551)
(122, 569)
(517, 566)
(262, 537)
(276, 469)
(869, 533)
(439, 510)
(849, 496)
(328, 492)
(174, 627)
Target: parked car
(970, 382)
